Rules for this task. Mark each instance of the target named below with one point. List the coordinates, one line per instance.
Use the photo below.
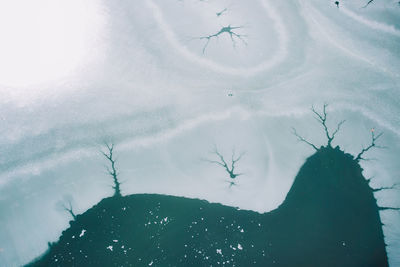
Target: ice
(149, 88)
(82, 233)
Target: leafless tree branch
(221, 162)
(231, 183)
(108, 154)
(385, 188)
(224, 30)
(69, 209)
(369, 2)
(66, 205)
(220, 13)
(373, 144)
(302, 139)
(321, 118)
(388, 208)
(337, 129)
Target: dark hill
(329, 218)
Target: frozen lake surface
(168, 80)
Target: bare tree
(112, 171)
(69, 210)
(230, 169)
(220, 13)
(373, 144)
(388, 208)
(394, 186)
(231, 183)
(321, 117)
(66, 205)
(369, 2)
(302, 139)
(224, 30)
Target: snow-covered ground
(166, 83)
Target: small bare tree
(370, 1)
(108, 154)
(229, 30)
(388, 208)
(66, 205)
(394, 186)
(302, 139)
(220, 13)
(373, 144)
(230, 169)
(321, 117)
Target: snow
(82, 233)
(165, 104)
(110, 248)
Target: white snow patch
(82, 233)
